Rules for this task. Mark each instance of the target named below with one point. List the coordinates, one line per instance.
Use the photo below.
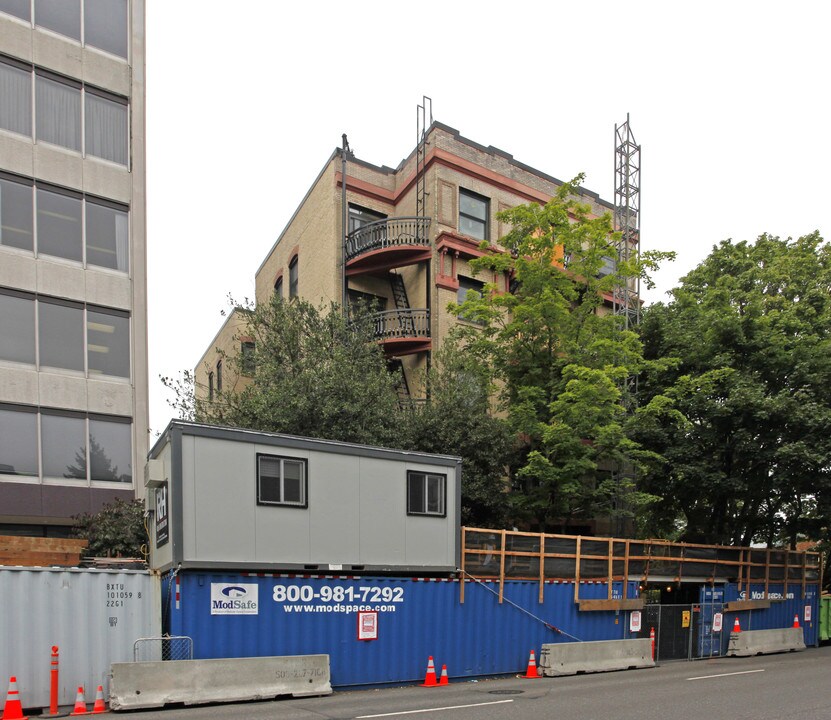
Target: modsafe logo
(234, 598)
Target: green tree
(458, 421)
(750, 331)
(117, 530)
(316, 373)
(563, 360)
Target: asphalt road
(795, 686)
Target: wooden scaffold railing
(500, 555)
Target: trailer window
(426, 494)
(281, 481)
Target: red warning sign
(368, 625)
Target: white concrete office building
(73, 286)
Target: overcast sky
(247, 100)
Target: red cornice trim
(454, 162)
(447, 282)
(463, 245)
(362, 187)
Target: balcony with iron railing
(388, 243)
(403, 331)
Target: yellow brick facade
(453, 163)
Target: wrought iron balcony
(393, 242)
(403, 331)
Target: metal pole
(344, 226)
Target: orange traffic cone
(443, 679)
(80, 704)
(13, 710)
(430, 677)
(531, 673)
(99, 706)
(736, 627)
(796, 621)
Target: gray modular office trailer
(234, 499)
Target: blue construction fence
(230, 615)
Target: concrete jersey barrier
(193, 682)
(601, 656)
(764, 642)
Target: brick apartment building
(73, 335)
(409, 260)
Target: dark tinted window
(107, 237)
(18, 443)
(18, 8)
(64, 446)
(15, 214)
(59, 225)
(108, 344)
(61, 333)
(62, 16)
(17, 329)
(105, 25)
(110, 452)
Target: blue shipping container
(782, 609)
(249, 615)
(238, 615)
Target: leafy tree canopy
(317, 373)
(562, 360)
(117, 530)
(750, 332)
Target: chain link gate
(686, 631)
(167, 647)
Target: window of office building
(73, 445)
(108, 343)
(219, 376)
(426, 493)
(105, 25)
(110, 451)
(105, 123)
(17, 328)
(19, 8)
(58, 111)
(278, 287)
(64, 446)
(59, 224)
(60, 16)
(61, 335)
(281, 481)
(210, 387)
(60, 232)
(293, 277)
(15, 213)
(18, 441)
(105, 22)
(16, 91)
(473, 214)
(107, 236)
